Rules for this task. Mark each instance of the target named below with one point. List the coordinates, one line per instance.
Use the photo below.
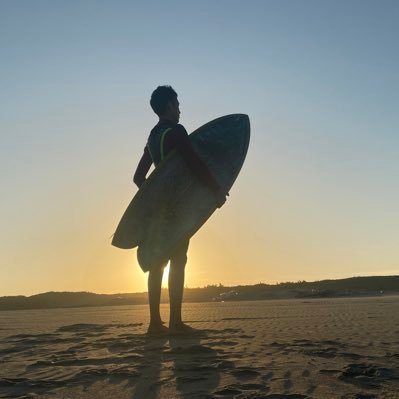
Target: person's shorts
(179, 255)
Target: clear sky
(318, 195)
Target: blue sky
(317, 197)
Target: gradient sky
(318, 195)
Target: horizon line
(209, 285)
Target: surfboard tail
(121, 242)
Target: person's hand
(220, 198)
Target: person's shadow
(149, 382)
(195, 366)
(194, 370)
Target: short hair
(160, 98)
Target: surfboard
(172, 204)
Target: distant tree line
(354, 286)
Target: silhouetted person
(164, 137)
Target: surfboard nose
(237, 117)
(243, 116)
(243, 121)
(239, 123)
(239, 120)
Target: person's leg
(154, 298)
(176, 286)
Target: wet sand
(322, 348)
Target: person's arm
(195, 163)
(142, 168)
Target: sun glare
(165, 276)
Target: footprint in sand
(245, 373)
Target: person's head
(165, 104)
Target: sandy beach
(321, 348)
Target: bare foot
(181, 329)
(157, 329)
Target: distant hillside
(50, 300)
(355, 286)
